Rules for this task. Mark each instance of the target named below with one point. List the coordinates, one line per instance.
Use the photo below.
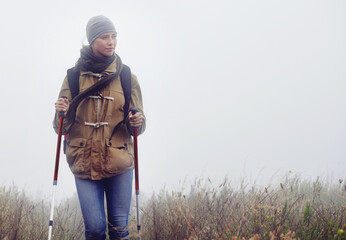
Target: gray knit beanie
(97, 26)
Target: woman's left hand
(136, 121)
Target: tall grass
(289, 209)
(25, 219)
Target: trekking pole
(55, 180)
(133, 111)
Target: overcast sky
(245, 89)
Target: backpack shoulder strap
(73, 81)
(125, 78)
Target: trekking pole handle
(62, 114)
(134, 110)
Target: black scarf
(89, 62)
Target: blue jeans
(118, 190)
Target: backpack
(125, 79)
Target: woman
(101, 163)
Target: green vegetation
(290, 209)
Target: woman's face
(105, 44)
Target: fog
(245, 89)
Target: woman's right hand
(62, 105)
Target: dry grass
(292, 209)
(21, 218)
(287, 210)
